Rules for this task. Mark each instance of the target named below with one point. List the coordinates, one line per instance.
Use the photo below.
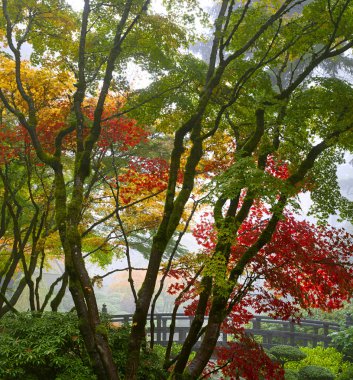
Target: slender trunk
(195, 327)
(209, 342)
(140, 316)
(80, 286)
(26, 280)
(38, 280)
(167, 362)
(54, 304)
(172, 214)
(14, 298)
(94, 333)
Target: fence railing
(268, 331)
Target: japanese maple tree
(303, 266)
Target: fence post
(159, 326)
(349, 320)
(256, 323)
(292, 332)
(165, 330)
(326, 327)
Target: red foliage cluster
(308, 265)
(13, 141)
(123, 131)
(245, 358)
(142, 174)
(277, 168)
(205, 233)
(311, 264)
(304, 266)
(115, 130)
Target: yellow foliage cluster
(48, 88)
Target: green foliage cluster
(290, 374)
(328, 358)
(343, 340)
(313, 372)
(316, 363)
(346, 374)
(151, 367)
(42, 347)
(49, 346)
(284, 353)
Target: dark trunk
(54, 304)
(209, 342)
(93, 332)
(143, 303)
(195, 327)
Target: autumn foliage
(259, 115)
(304, 266)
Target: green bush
(290, 374)
(347, 374)
(329, 358)
(285, 353)
(313, 372)
(151, 362)
(47, 347)
(272, 357)
(343, 340)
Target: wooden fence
(268, 331)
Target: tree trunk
(195, 328)
(54, 304)
(209, 342)
(93, 332)
(143, 303)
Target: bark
(167, 362)
(140, 316)
(172, 214)
(80, 286)
(195, 327)
(54, 304)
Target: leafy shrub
(34, 347)
(285, 353)
(151, 362)
(313, 372)
(343, 340)
(271, 356)
(329, 358)
(290, 374)
(48, 348)
(347, 374)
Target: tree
(304, 266)
(119, 137)
(256, 97)
(27, 220)
(27, 201)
